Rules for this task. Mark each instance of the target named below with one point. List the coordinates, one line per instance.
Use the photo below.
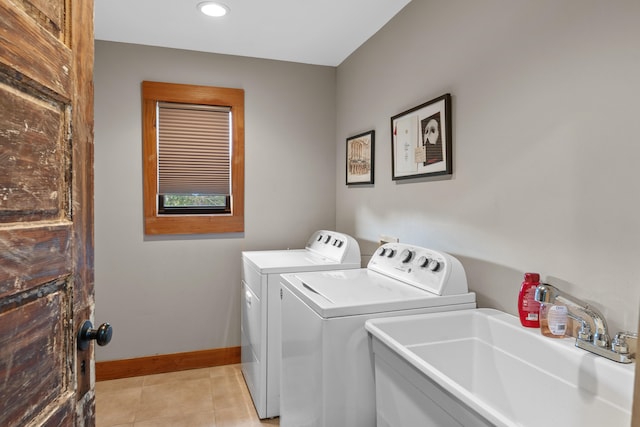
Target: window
(194, 149)
(193, 146)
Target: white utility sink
(481, 367)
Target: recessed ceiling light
(214, 9)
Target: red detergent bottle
(528, 307)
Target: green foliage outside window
(194, 200)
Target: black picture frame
(421, 140)
(360, 158)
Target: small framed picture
(421, 140)
(360, 158)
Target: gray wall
(546, 143)
(545, 176)
(182, 293)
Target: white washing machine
(327, 363)
(260, 325)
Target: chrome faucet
(598, 341)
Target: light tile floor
(209, 397)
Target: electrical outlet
(387, 239)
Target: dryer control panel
(434, 271)
(339, 247)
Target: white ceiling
(307, 31)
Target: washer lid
(362, 291)
(289, 261)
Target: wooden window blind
(194, 149)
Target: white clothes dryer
(260, 324)
(327, 372)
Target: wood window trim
(152, 92)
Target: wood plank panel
(61, 416)
(30, 256)
(50, 14)
(82, 156)
(33, 350)
(50, 68)
(32, 151)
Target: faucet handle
(619, 344)
(584, 333)
(626, 334)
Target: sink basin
(481, 367)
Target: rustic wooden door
(46, 211)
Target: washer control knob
(391, 253)
(423, 261)
(327, 239)
(406, 256)
(339, 243)
(319, 238)
(434, 265)
(382, 251)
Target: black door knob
(102, 335)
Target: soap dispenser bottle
(553, 320)
(528, 307)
